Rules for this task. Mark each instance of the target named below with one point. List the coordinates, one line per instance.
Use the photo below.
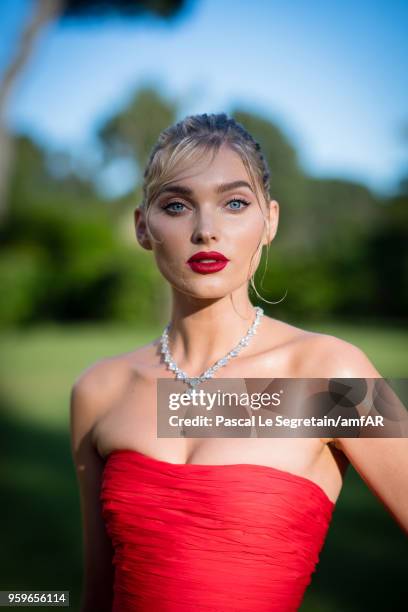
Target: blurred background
(85, 89)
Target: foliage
(69, 255)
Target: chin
(205, 293)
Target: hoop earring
(260, 297)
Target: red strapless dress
(240, 537)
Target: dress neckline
(196, 467)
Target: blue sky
(333, 75)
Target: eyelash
(176, 214)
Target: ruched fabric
(218, 538)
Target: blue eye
(240, 202)
(175, 212)
(172, 204)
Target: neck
(202, 331)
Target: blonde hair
(194, 137)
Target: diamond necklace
(194, 381)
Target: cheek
(167, 238)
(245, 236)
(247, 242)
(160, 228)
(170, 251)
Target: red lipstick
(196, 263)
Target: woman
(211, 524)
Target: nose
(205, 229)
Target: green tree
(44, 12)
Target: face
(203, 211)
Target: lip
(197, 265)
(207, 255)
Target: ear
(141, 229)
(273, 217)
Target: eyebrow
(219, 189)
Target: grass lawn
(362, 565)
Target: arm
(97, 588)
(381, 462)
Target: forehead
(209, 168)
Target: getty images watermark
(283, 407)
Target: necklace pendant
(193, 382)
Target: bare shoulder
(320, 355)
(338, 358)
(104, 377)
(98, 386)
(281, 335)
(95, 385)
(310, 354)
